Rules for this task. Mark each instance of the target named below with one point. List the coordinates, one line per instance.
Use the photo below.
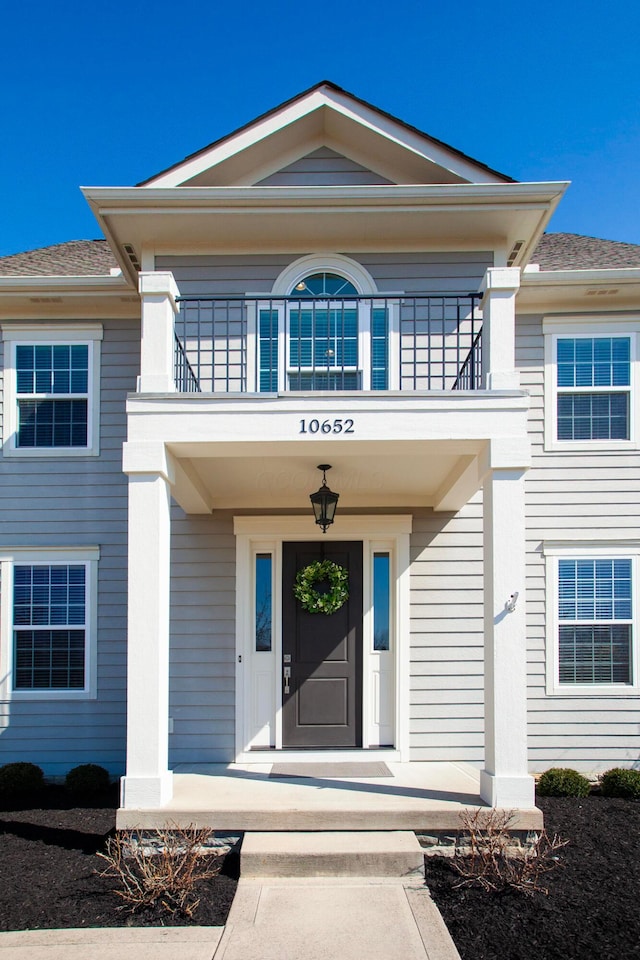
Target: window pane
(381, 601)
(52, 423)
(586, 362)
(595, 654)
(264, 605)
(49, 659)
(593, 416)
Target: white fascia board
(421, 145)
(64, 285)
(114, 200)
(589, 278)
(243, 140)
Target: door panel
(323, 707)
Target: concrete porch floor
(242, 797)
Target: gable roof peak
(348, 121)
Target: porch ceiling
(399, 475)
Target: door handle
(287, 677)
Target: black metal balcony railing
(272, 344)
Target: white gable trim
(367, 117)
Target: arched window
(324, 285)
(325, 328)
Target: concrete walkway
(272, 919)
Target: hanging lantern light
(324, 501)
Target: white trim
(588, 328)
(9, 556)
(587, 550)
(324, 263)
(267, 534)
(18, 334)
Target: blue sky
(108, 94)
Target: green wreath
(334, 598)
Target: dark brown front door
(323, 707)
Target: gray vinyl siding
(570, 496)
(323, 167)
(219, 275)
(76, 501)
(202, 671)
(447, 641)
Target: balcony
(268, 345)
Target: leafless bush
(486, 856)
(161, 868)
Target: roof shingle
(75, 258)
(82, 258)
(572, 251)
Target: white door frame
(263, 679)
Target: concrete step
(392, 853)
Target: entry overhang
(260, 453)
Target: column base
(516, 793)
(145, 793)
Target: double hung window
(48, 624)
(592, 618)
(52, 386)
(591, 384)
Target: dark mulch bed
(48, 867)
(593, 906)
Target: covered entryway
(322, 653)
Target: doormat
(330, 771)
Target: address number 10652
(327, 426)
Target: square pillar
(505, 781)
(499, 288)
(148, 781)
(157, 347)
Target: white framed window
(592, 617)
(49, 623)
(52, 379)
(591, 384)
(331, 330)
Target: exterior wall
(409, 272)
(202, 650)
(323, 167)
(570, 496)
(76, 501)
(447, 637)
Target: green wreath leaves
(322, 570)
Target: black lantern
(324, 501)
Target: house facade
(326, 286)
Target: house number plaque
(327, 426)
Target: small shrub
(19, 782)
(161, 869)
(620, 782)
(485, 855)
(87, 781)
(563, 782)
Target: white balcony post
(505, 781)
(498, 289)
(148, 781)
(157, 349)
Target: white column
(148, 781)
(157, 347)
(505, 781)
(498, 289)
